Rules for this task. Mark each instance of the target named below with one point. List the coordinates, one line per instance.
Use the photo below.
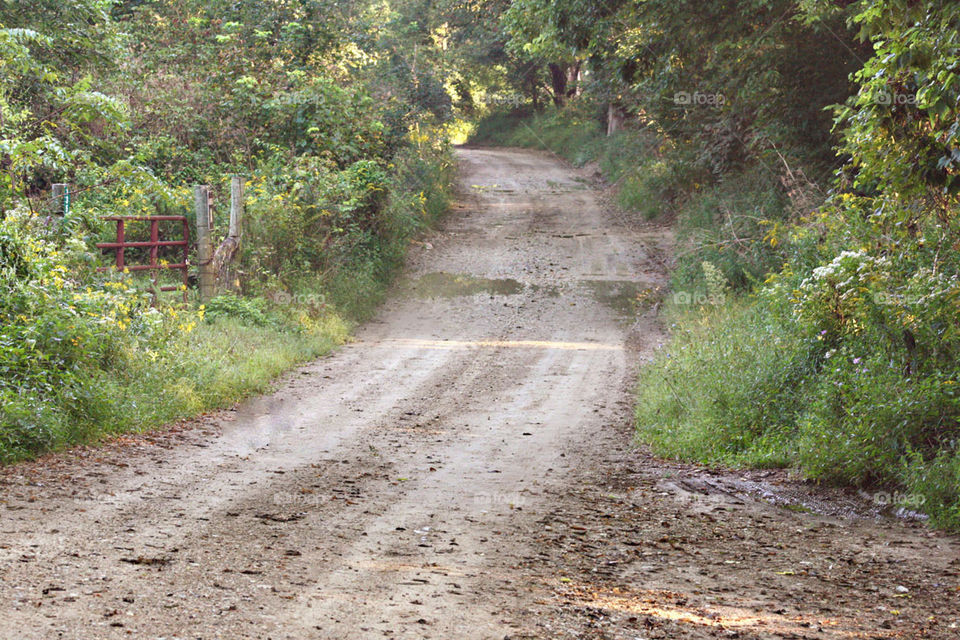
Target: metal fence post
(60, 198)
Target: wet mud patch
(453, 285)
(627, 298)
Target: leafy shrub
(248, 310)
(62, 327)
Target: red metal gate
(154, 245)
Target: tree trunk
(558, 83)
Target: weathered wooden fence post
(615, 118)
(207, 276)
(228, 253)
(236, 208)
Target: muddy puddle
(452, 285)
(626, 298)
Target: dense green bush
(338, 234)
(62, 326)
(247, 310)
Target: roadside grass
(214, 366)
(697, 399)
(238, 349)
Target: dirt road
(463, 470)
